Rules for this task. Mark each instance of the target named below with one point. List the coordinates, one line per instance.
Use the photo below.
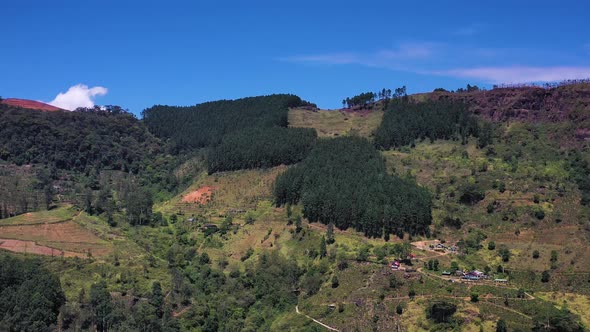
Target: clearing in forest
(200, 196)
(336, 122)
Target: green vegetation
(261, 148)
(208, 123)
(83, 141)
(344, 182)
(30, 296)
(406, 122)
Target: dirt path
(315, 320)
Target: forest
(406, 122)
(261, 148)
(206, 124)
(30, 296)
(80, 141)
(344, 181)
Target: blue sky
(186, 52)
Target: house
(446, 273)
(477, 273)
(470, 277)
(459, 273)
(501, 280)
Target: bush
(471, 194)
(536, 254)
(539, 214)
(399, 309)
(335, 282)
(553, 256)
(441, 312)
(474, 297)
(545, 276)
(393, 282)
(505, 254)
(491, 245)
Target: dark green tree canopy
(30, 296)
(80, 141)
(344, 181)
(206, 124)
(405, 122)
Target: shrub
(536, 254)
(399, 309)
(504, 253)
(441, 312)
(335, 282)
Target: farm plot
(68, 237)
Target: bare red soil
(201, 196)
(30, 104)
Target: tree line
(261, 148)
(366, 98)
(344, 181)
(206, 124)
(78, 141)
(243, 133)
(406, 122)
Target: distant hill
(30, 104)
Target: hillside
(567, 103)
(30, 104)
(265, 214)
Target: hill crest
(30, 104)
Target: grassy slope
(60, 214)
(364, 293)
(336, 123)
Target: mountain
(30, 104)
(463, 210)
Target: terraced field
(51, 233)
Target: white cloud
(518, 74)
(78, 96)
(383, 58)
